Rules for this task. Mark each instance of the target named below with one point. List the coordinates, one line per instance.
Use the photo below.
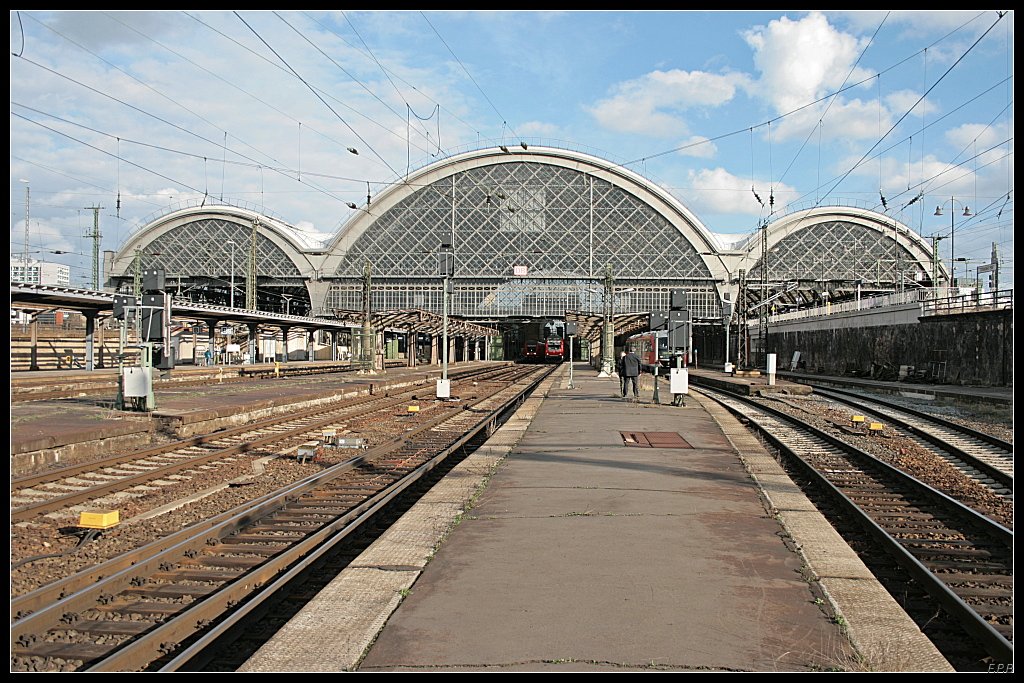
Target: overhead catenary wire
(504, 121)
(919, 100)
(371, 120)
(449, 114)
(316, 93)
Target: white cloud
(901, 102)
(653, 104)
(538, 129)
(716, 190)
(802, 60)
(976, 137)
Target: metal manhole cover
(654, 440)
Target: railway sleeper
(81, 652)
(176, 590)
(145, 608)
(950, 552)
(984, 592)
(207, 575)
(262, 538)
(244, 549)
(963, 577)
(122, 627)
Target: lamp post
(24, 254)
(608, 326)
(952, 232)
(232, 245)
(445, 268)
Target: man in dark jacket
(630, 373)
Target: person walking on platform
(631, 374)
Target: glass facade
(534, 236)
(530, 239)
(838, 250)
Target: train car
(530, 354)
(652, 348)
(554, 350)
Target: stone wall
(965, 348)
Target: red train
(554, 350)
(530, 352)
(652, 347)
(550, 350)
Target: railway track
(962, 560)
(137, 608)
(58, 489)
(981, 456)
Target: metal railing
(932, 301)
(971, 301)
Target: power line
(347, 73)
(504, 122)
(914, 106)
(392, 75)
(314, 91)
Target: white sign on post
(679, 381)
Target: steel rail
(47, 607)
(995, 643)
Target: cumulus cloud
(538, 129)
(902, 100)
(654, 103)
(976, 136)
(716, 190)
(801, 60)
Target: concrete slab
(584, 550)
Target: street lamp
(232, 245)
(445, 268)
(952, 231)
(24, 254)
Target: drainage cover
(654, 440)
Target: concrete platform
(577, 552)
(56, 432)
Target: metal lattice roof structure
(534, 232)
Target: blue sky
(138, 111)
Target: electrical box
(98, 519)
(137, 382)
(154, 280)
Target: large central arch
(535, 233)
